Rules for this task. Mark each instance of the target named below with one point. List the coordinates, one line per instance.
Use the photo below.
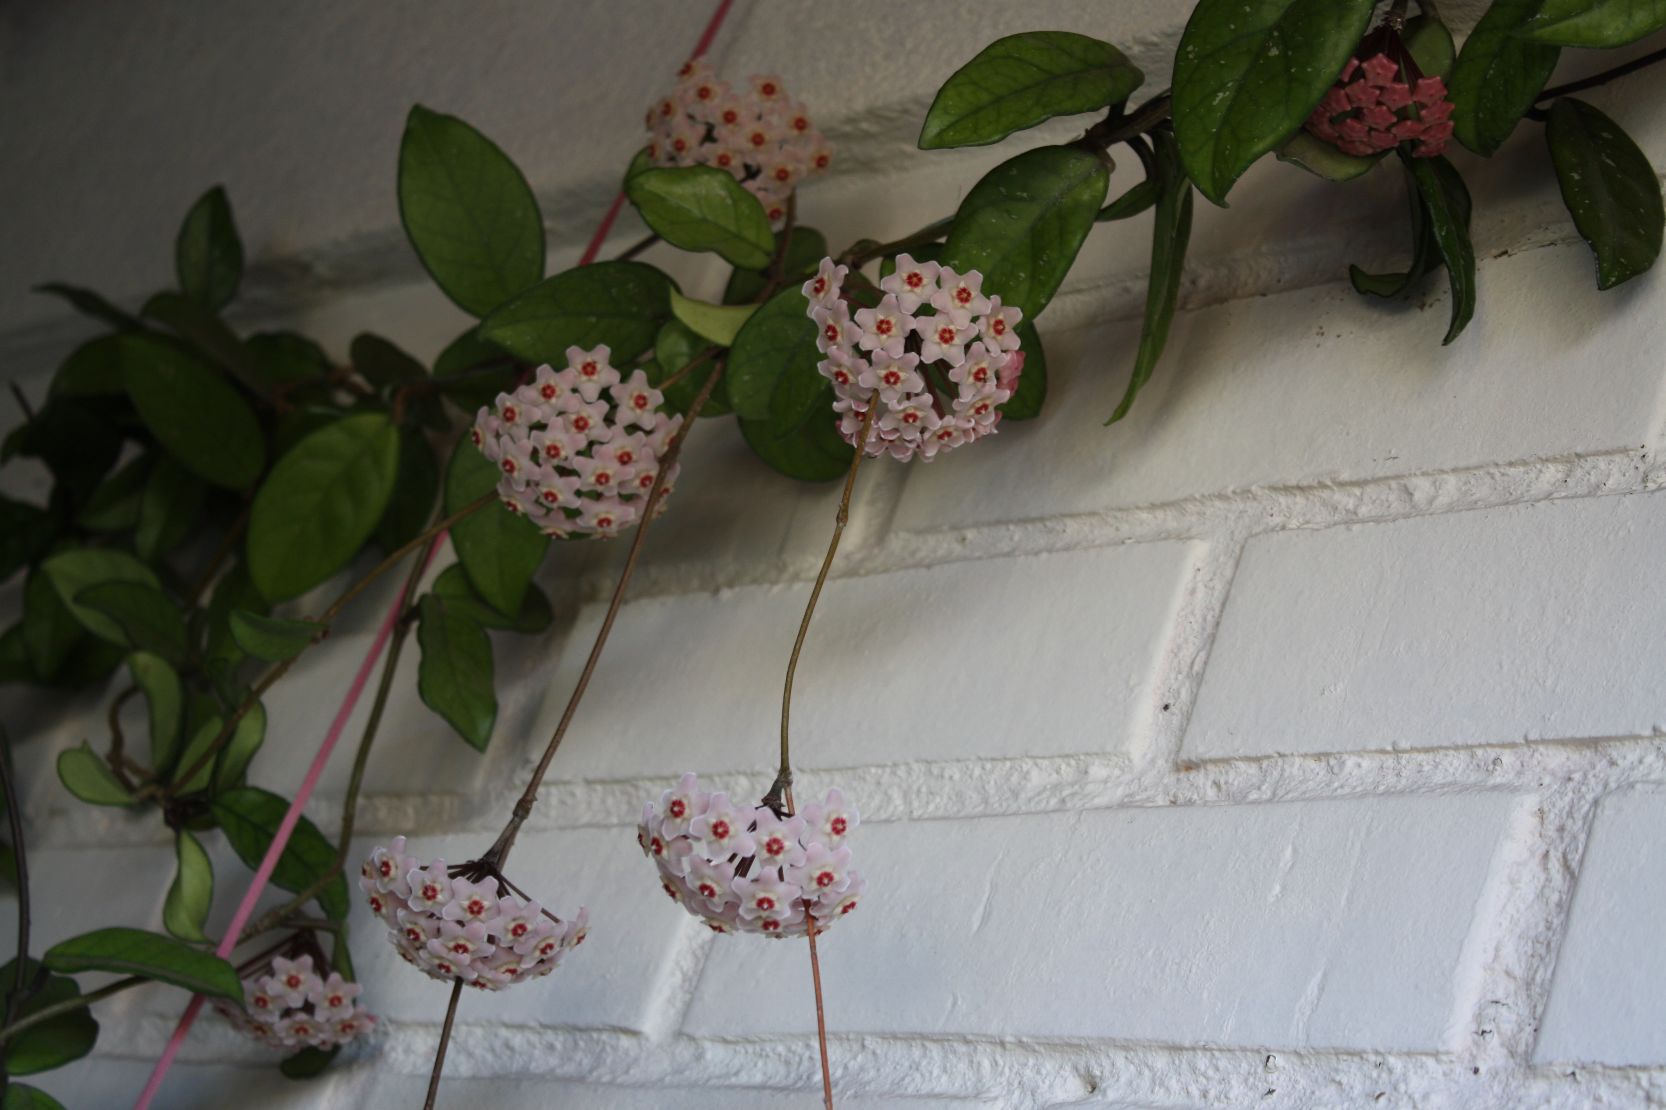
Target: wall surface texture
(1294, 743)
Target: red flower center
(838, 826)
(720, 829)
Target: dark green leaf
(250, 817)
(26, 531)
(453, 585)
(192, 893)
(320, 503)
(285, 359)
(1020, 80)
(307, 1063)
(245, 741)
(1129, 204)
(91, 661)
(91, 304)
(167, 510)
(150, 955)
(806, 247)
(703, 208)
(1321, 159)
(15, 665)
(712, 322)
(1170, 233)
(21, 1096)
(1497, 75)
(52, 1043)
(193, 412)
(164, 700)
(1609, 186)
(1025, 402)
(91, 370)
(775, 352)
(49, 629)
(78, 443)
(621, 304)
(208, 255)
(1249, 72)
(203, 733)
(414, 493)
(383, 364)
(148, 620)
(1446, 201)
(811, 453)
(468, 212)
(1430, 45)
(273, 639)
(72, 572)
(499, 549)
(85, 774)
(1024, 222)
(455, 678)
(675, 348)
(1425, 255)
(205, 331)
(1598, 23)
(114, 505)
(472, 371)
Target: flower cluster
(578, 449)
(288, 1004)
(748, 868)
(937, 356)
(760, 135)
(463, 922)
(1382, 100)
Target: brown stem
(1602, 78)
(821, 1014)
(636, 248)
(778, 264)
(228, 544)
(68, 1005)
(445, 1042)
(693, 364)
(1119, 128)
(499, 851)
(117, 758)
(14, 818)
(862, 252)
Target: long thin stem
(865, 251)
(821, 1015)
(1602, 78)
(445, 1042)
(14, 817)
(68, 1005)
(692, 365)
(636, 248)
(228, 544)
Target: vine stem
(15, 819)
(821, 1013)
(1602, 78)
(637, 248)
(228, 544)
(692, 365)
(445, 1042)
(271, 677)
(68, 1005)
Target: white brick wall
(1294, 743)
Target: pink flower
(960, 293)
(832, 820)
(766, 895)
(823, 289)
(471, 902)
(287, 1004)
(883, 328)
(723, 827)
(913, 283)
(1381, 100)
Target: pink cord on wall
(257, 885)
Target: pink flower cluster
(577, 449)
(937, 356)
(1379, 103)
(452, 927)
(287, 1004)
(747, 868)
(761, 135)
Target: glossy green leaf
(468, 212)
(208, 334)
(21, 1096)
(203, 733)
(91, 370)
(320, 504)
(89, 303)
(246, 740)
(1497, 75)
(418, 486)
(1430, 45)
(473, 371)
(287, 360)
(1026, 401)
(1248, 73)
(775, 351)
(382, 363)
(308, 1063)
(714, 323)
(453, 585)
(806, 247)
(85, 774)
(1024, 222)
(1321, 159)
(208, 255)
(1610, 187)
(499, 549)
(250, 817)
(675, 348)
(813, 452)
(26, 532)
(621, 304)
(273, 639)
(164, 702)
(73, 571)
(455, 676)
(703, 208)
(1446, 201)
(114, 505)
(197, 416)
(1020, 80)
(124, 951)
(50, 631)
(221, 655)
(78, 442)
(1171, 231)
(191, 894)
(148, 619)
(1130, 204)
(56, 1041)
(1596, 23)
(168, 508)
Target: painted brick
(1519, 623)
(1296, 925)
(538, 1094)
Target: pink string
(274, 851)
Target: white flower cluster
(762, 136)
(453, 928)
(937, 356)
(572, 460)
(287, 1004)
(748, 869)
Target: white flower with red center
(607, 517)
(960, 293)
(824, 870)
(776, 840)
(978, 368)
(386, 868)
(999, 326)
(723, 827)
(711, 882)
(912, 283)
(835, 331)
(680, 805)
(333, 997)
(518, 921)
(842, 368)
(430, 887)
(766, 895)
(822, 290)
(943, 337)
(287, 1003)
(471, 901)
(832, 819)
(884, 327)
(262, 1004)
(291, 980)
(894, 377)
(592, 371)
(637, 402)
(461, 942)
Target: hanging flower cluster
(761, 135)
(463, 922)
(288, 1004)
(578, 449)
(1382, 100)
(937, 356)
(748, 868)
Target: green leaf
(91, 370)
(806, 247)
(1249, 72)
(1430, 45)
(78, 444)
(85, 774)
(775, 352)
(26, 531)
(21, 1096)
(240, 750)
(207, 730)
(1171, 231)
(703, 208)
(1024, 222)
(812, 452)
(250, 816)
(197, 416)
(148, 620)
(221, 655)
(1446, 201)
(273, 639)
(1321, 159)
(1597, 23)
(1020, 80)
(712, 322)
(621, 304)
(320, 504)
(412, 503)
(125, 951)
(56, 1041)
(164, 700)
(49, 629)
(73, 571)
(453, 585)
(382, 363)
(114, 505)
(208, 255)
(1129, 204)
(499, 549)
(168, 508)
(1609, 186)
(307, 1063)
(468, 212)
(209, 335)
(675, 348)
(192, 893)
(1025, 402)
(455, 677)
(482, 370)
(288, 359)
(1498, 75)
(91, 304)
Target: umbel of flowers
(292, 1000)
(752, 869)
(465, 923)
(1382, 100)
(578, 449)
(759, 134)
(936, 356)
